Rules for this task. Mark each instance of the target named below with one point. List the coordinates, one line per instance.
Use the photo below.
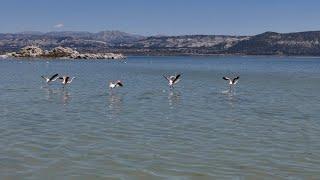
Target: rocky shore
(59, 52)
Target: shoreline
(4, 56)
(71, 53)
(218, 55)
(59, 52)
(67, 53)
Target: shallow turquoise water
(269, 127)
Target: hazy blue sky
(151, 17)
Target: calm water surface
(269, 127)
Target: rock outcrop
(98, 56)
(30, 51)
(61, 52)
(3, 56)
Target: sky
(161, 17)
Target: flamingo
(232, 81)
(115, 84)
(172, 80)
(66, 80)
(51, 79)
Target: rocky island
(59, 52)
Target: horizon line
(152, 35)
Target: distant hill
(184, 45)
(268, 43)
(82, 41)
(272, 43)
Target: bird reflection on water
(174, 98)
(230, 97)
(114, 107)
(66, 97)
(52, 93)
(49, 92)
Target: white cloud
(60, 25)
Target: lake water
(269, 127)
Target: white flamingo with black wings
(232, 81)
(66, 80)
(51, 79)
(172, 80)
(115, 84)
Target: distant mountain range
(268, 43)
